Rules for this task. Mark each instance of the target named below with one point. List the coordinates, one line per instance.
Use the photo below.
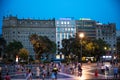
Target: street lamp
(81, 35)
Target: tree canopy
(23, 54)
(12, 49)
(42, 44)
(89, 47)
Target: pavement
(87, 73)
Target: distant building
(107, 32)
(118, 33)
(118, 41)
(65, 29)
(87, 26)
(20, 30)
(14, 28)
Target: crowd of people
(112, 68)
(51, 70)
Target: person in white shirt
(37, 72)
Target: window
(68, 22)
(65, 29)
(58, 29)
(71, 29)
(61, 22)
(68, 29)
(58, 35)
(62, 35)
(65, 22)
(57, 22)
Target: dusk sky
(103, 11)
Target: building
(107, 32)
(118, 41)
(118, 33)
(20, 30)
(65, 28)
(14, 28)
(87, 26)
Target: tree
(23, 54)
(100, 47)
(2, 45)
(118, 46)
(42, 44)
(89, 47)
(12, 49)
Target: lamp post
(81, 35)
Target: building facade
(118, 33)
(65, 28)
(20, 30)
(107, 32)
(87, 26)
(14, 28)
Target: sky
(104, 11)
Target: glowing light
(81, 35)
(16, 58)
(57, 56)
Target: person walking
(38, 72)
(53, 75)
(96, 72)
(79, 70)
(7, 77)
(1, 76)
(44, 72)
(115, 71)
(55, 70)
(119, 71)
(29, 75)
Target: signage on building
(65, 18)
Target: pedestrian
(107, 69)
(7, 77)
(119, 71)
(103, 68)
(96, 72)
(115, 71)
(55, 70)
(1, 76)
(79, 70)
(29, 76)
(0, 69)
(53, 75)
(38, 72)
(26, 72)
(44, 72)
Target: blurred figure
(119, 71)
(55, 70)
(1, 76)
(79, 70)
(96, 72)
(115, 71)
(103, 68)
(29, 76)
(53, 75)
(0, 69)
(7, 77)
(38, 72)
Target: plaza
(65, 74)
